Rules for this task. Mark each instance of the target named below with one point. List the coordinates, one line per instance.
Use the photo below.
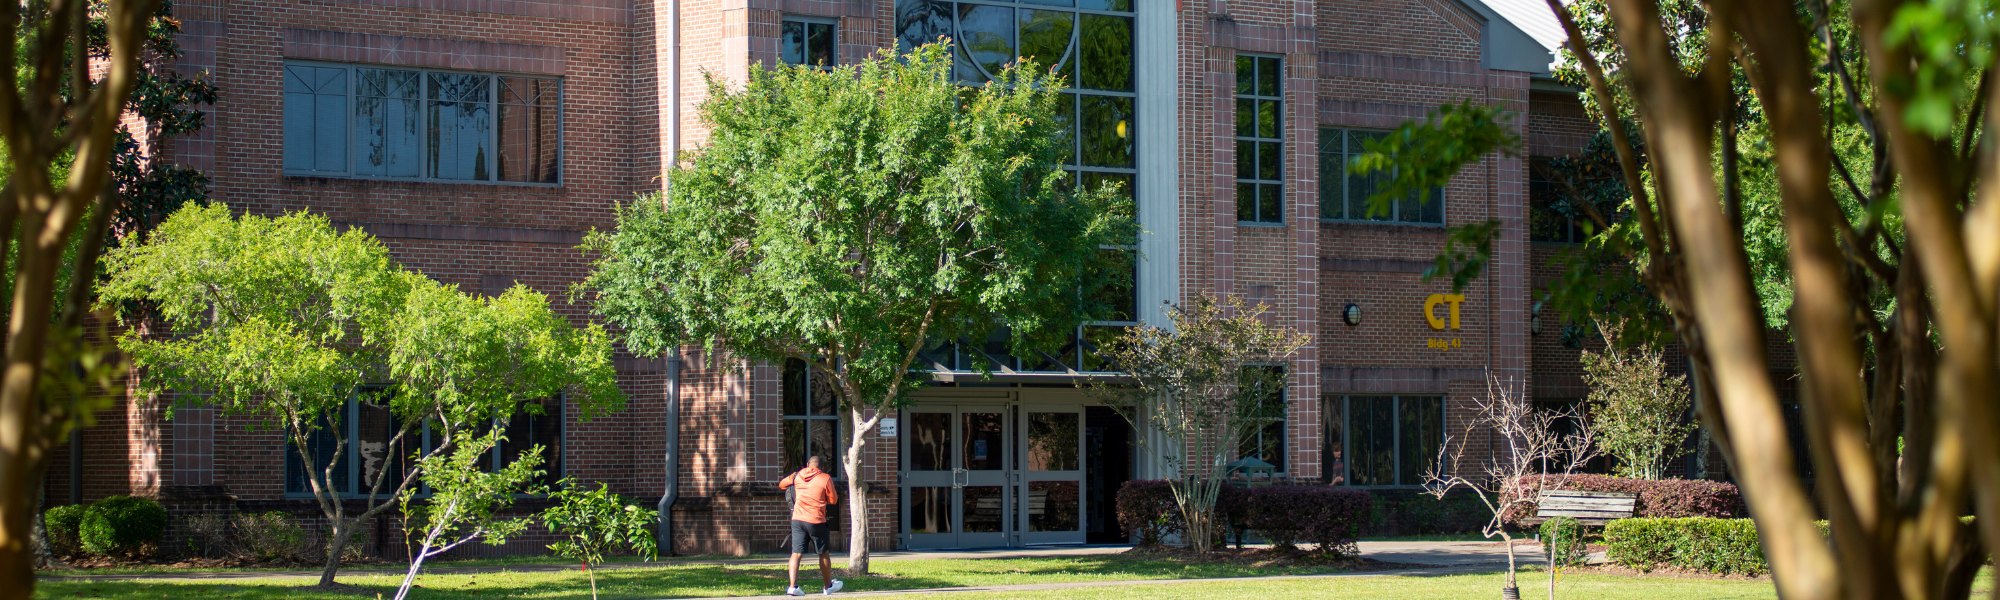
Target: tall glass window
(1268, 443)
(1381, 440)
(1343, 195)
(811, 419)
(413, 124)
(1260, 139)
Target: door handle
(958, 478)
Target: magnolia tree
(851, 218)
(1637, 411)
(1522, 448)
(284, 319)
(466, 498)
(1205, 383)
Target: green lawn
(1485, 585)
(671, 581)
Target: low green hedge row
(1723, 546)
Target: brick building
(480, 139)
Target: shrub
(1329, 517)
(207, 534)
(1426, 515)
(1147, 510)
(270, 537)
(64, 524)
(122, 525)
(1721, 546)
(1562, 538)
(1664, 498)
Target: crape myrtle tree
(1892, 266)
(52, 113)
(286, 320)
(850, 218)
(1205, 383)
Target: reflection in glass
(1052, 441)
(1270, 207)
(1097, 180)
(1051, 2)
(826, 445)
(1332, 174)
(1053, 506)
(1117, 5)
(1045, 36)
(1422, 433)
(315, 118)
(1095, 337)
(1066, 122)
(1267, 76)
(794, 435)
(1107, 131)
(930, 442)
(1333, 451)
(983, 509)
(984, 442)
(540, 426)
(1268, 162)
(986, 40)
(803, 43)
(1372, 439)
(461, 126)
(322, 445)
(920, 22)
(1267, 118)
(375, 427)
(530, 123)
(930, 509)
(1246, 117)
(1246, 202)
(1107, 53)
(1246, 74)
(386, 121)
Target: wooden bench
(1588, 508)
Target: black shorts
(808, 536)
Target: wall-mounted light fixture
(1351, 315)
(1534, 325)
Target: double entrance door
(984, 475)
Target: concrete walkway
(1440, 555)
(1449, 570)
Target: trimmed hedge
(1663, 499)
(122, 524)
(64, 524)
(1146, 509)
(1723, 546)
(1329, 517)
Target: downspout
(673, 492)
(75, 467)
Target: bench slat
(1590, 501)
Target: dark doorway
(1107, 446)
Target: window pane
(920, 22)
(1051, 2)
(1372, 431)
(1123, 181)
(825, 440)
(1052, 441)
(793, 388)
(461, 126)
(825, 398)
(930, 442)
(1107, 53)
(986, 37)
(1117, 5)
(540, 425)
(1270, 205)
(1246, 202)
(982, 506)
(1053, 506)
(386, 123)
(984, 446)
(1107, 131)
(1333, 454)
(375, 427)
(1117, 271)
(1267, 76)
(1267, 119)
(930, 510)
(1045, 36)
(820, 45)
(1095, 337)
(1422, 433)
(796, 449)
(1246, 159)
(315, 119)
(321, 444)
(1246, 117)
(1246, 74)
(792, 43)
(1270, 164)
(1332, 180)
(1066, 123)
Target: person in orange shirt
(815, 493)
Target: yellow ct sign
(1430, 309)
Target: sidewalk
(1450, 570)
(1447, 555)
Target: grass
(1483, 585)
(670, 581)
(498, 561)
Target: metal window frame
(841, 430)
(424, 124)
(1279, 98)
(352, 453)
(1395, 211)
(1396, 445)
(832, 23)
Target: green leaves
(1422, 156)
(598, 521)
(1948, 40)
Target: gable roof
(1517, 35)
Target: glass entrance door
(1052, 500)
(956, 492)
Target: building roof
(1517, 35)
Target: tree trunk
(336, 544)
(857, 501)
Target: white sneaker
(794, 591)
(832, 588)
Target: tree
(1636, 410)
(466, 499)
(597, 522)
(1891, 277)
(1522, 445)
(52, 111)
(1205, 382)
(851, 218)
(285, 319)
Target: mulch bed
(1270, 558)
